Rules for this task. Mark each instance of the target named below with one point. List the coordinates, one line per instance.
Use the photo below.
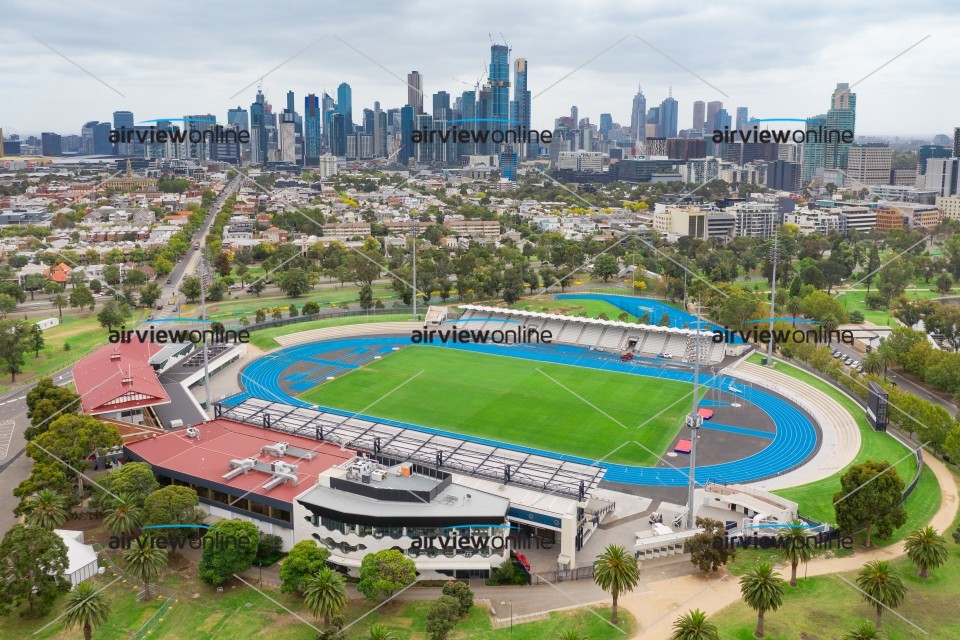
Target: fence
(329, 314)
(169, 596)
(552, 577)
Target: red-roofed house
(60, 273)
(239, 470)
(118, 381)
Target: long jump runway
(793, 442)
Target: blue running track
(794, 441)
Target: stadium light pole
(203, 333)
(416, 227)
(694, 421)
(773, 293)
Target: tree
(14, 342)
(59, 301)
(46, 401)
(150, 294)
(261, 316)
(135, 278)
(324, 593)
(292, 311)
(794, 547)
(693, 625)
(461, 591)
(616, 571)
(221, 558)
(112, 315)
(707, 550)
(882, 586)
(32, 563)
(366, 297)
(144, 562)
(135, 480)
(442, 617)
(190, 287)
(927, 549)
(82, 297)
(378, 631)
(172, 505)
(123, 515)
(257, 286)
(864, 631)
(664, 320)
(71, 439)
(305, 558)
(605, 267)
(86, 607)
(944, 283)
(762, 590)
(295, 283)
(36, 340)
(310, 309)
(870, 497)
(46, 509)
(385, 572)
(739, 307)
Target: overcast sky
(176, 58)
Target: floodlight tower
(694, 422)
(775, 255)
(203, 332)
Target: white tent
(82, 558)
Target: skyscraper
(338, 134)
(521, 97)
(742, 118)
(441, 106)
(575, 116)
(312, 117)
(712, 108)
(415, 91)
(926, 152)
(468, 112)
(51, 144)
(123, 121)
(258, 129)
(200, 122)
(407, 149)
(842, 116)
(499, 81)
(345, 106)
(669, 110)
(638, 117)
(606, 123)
(699, 115)
(956, 142)
(290, 102)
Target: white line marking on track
(6, 435)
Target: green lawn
(264, 338)
(593, 308)
(853, 301)
(247, 304)
(825, 607)
(507, 399)
(82, 333)
(816, 498)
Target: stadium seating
(654, 342)
(676, 345)
(612, 338)
(570, 333)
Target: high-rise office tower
(123, 121)
(101, 139)
(638, 117)
(606, 123)
(415, 92)
(312, 131)
(380, 149)
(813, 152)
(338, 134)
(842, 116)
(522, 100)
(942, 176)
(345, 106)
(366, 125)
(956, 142)
(239, 119)
(721, 119)
(290, 102)
(699, 115)
(712, 108)
(287, 135)
(669, 109)
(259, 142)
(441, 106)
(468, 112)
(485, 114)
(499, 81)
(653, 118)
(928, 151)
(407, 148)
(50, 144)
(742, 118)
(202, 122)
(575, 116)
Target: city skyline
(596, 69)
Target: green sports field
(517, 401)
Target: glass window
(280, 514)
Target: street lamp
(503, 604)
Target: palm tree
(882, 586)
(123, 516)
(324, 593)
(873, 362)
(46, 508)
(86, 607)
(762, 590)
(926, 549)
(794, 547)
(863, 631)
(379, 632)
(60, 301)
(616, 571)
(794, 308)
(145, 562)
(693, 625)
